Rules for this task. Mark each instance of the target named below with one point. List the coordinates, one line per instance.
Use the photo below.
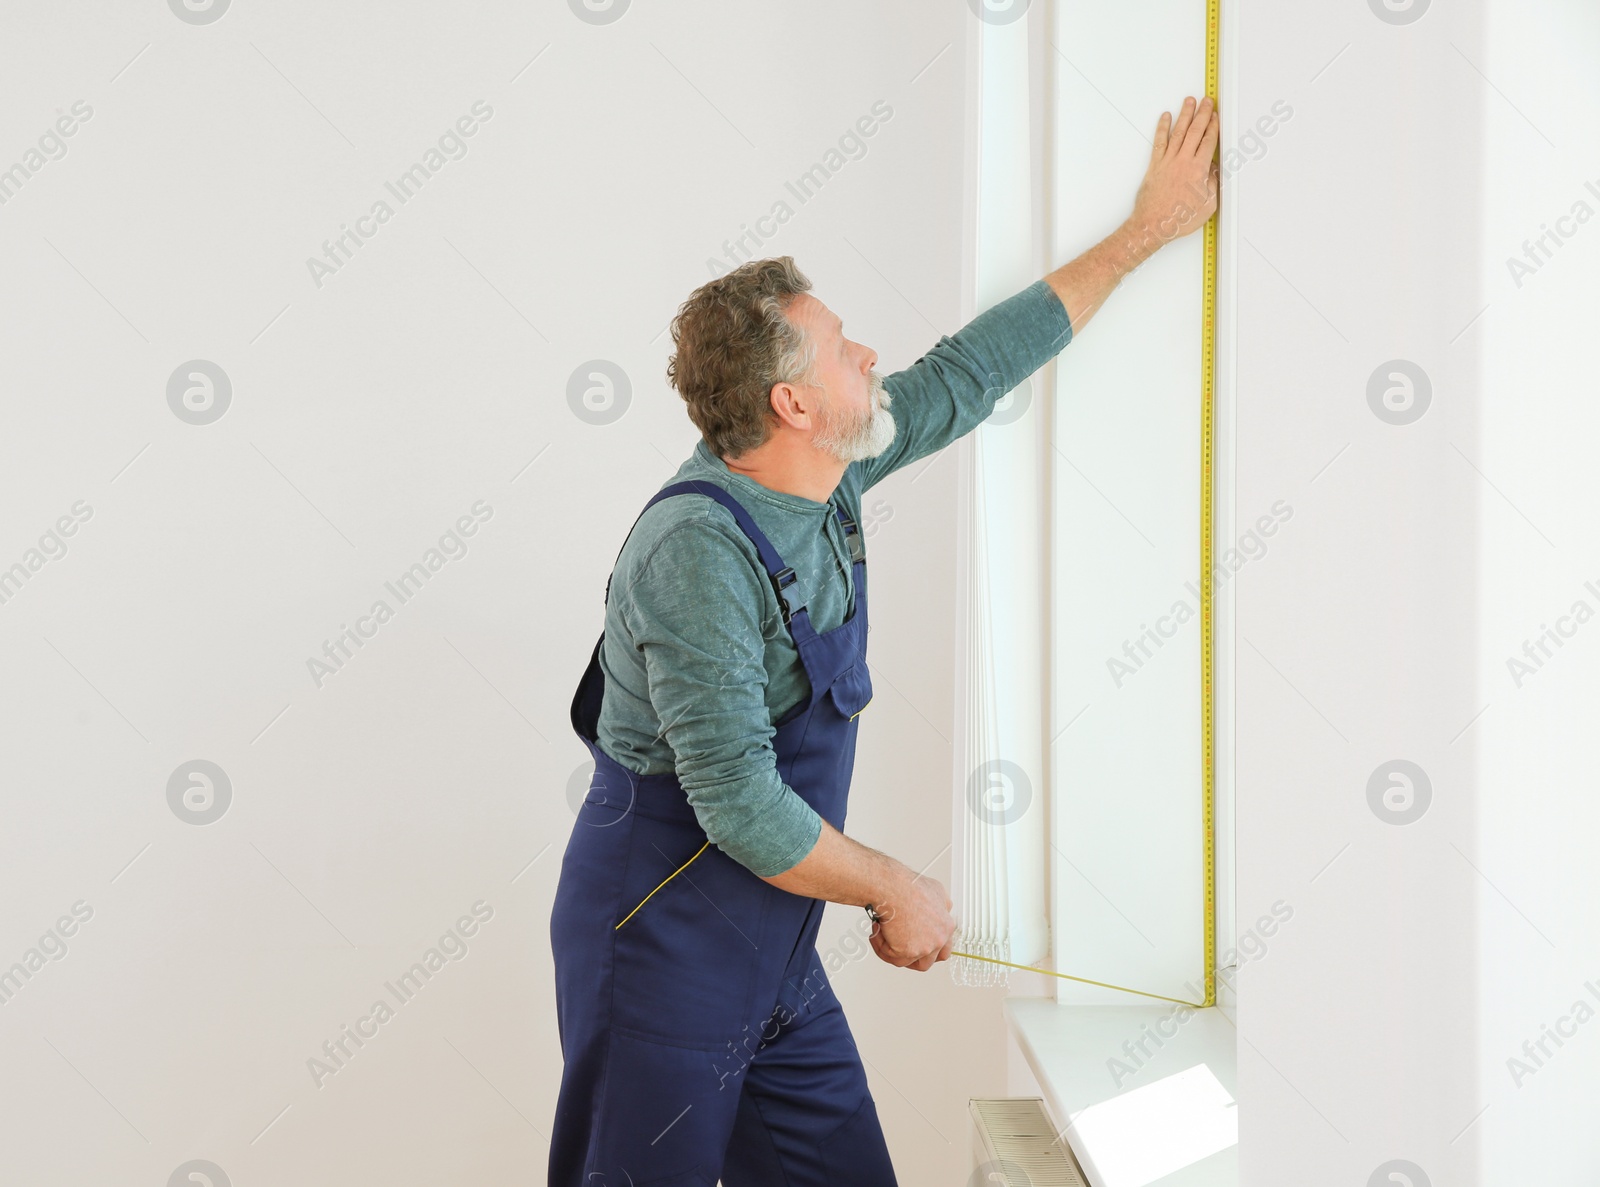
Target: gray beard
(867, 437)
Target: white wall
(1539, 930)
(1361, 229)
(430, 372)
(1426, 944)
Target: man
(700, 1037)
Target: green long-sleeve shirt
(697, 660)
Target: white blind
(1002, 782)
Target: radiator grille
(1015, 1146)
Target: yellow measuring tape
(1029, 968)
(1208, 336)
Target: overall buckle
(852, 535)
(782, 581)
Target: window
(1080, 804)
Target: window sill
(1164, 1115)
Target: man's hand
(1179, 191)
(1177, 196)
(915, 930)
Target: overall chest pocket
(852, 690)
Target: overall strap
(781, 575)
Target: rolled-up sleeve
(953, 388)
(695, 612)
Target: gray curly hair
(733, 340)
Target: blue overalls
(701, 1037)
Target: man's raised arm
(955, 386)
(1177, 196)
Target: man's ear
(790, 402)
